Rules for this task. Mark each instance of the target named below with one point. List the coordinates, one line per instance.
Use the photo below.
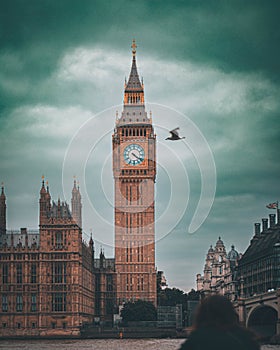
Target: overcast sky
(210, 67)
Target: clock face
(133, 154)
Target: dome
(220, 247)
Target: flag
(272, 205)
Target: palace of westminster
(51, 282)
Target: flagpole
(278, 213)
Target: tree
(172, 297)
(193, 295)
(139, 310)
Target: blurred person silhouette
(216, 327)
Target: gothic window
(131, 282)
(138, 282)
(19, 305)
(142, 283)
(5, 273)
(19, 273)
(58, 240)
(142, 253)
(59, 302)
(33, 273)
(109, 282)
(59, 272)
(130, 222)
(127, 282)
(33, 302)
(4, 303)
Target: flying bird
(174, 135)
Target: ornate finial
(133, 46)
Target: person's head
(216, 311)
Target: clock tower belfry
(134, 169)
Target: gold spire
(133, 46)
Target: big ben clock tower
(134, 168)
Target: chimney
(23, 231)
(264, 224)
(257, 228)
(271, 220)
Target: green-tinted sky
(216, 62)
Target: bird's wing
(174, 132)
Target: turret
(45, 203)
(91, 245)
(2, 211)
(101, 259)
(76, 204)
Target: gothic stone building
(220, 272)
(47, 281)
(258, 269)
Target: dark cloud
(216, 61)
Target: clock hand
(135, 155)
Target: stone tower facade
(134, 169)
(47, 280)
